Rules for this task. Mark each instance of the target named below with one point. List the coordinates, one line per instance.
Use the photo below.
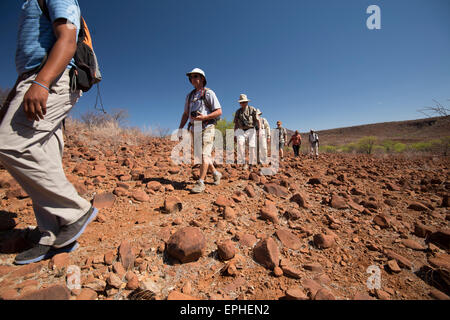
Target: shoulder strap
(44, 9)
(208, 105)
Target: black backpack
(87, 72)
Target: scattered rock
(296, 294)
(140, 195)
(176, 295)
(226, 250)
(323, 241)
(104, 200)
(417, 206)
(300, 199)
(172, 204)
(409, 243)
(126, 255)
(393, 266)
(382, 221)
(187, 244)
(288, 239)
(269, 211)
(276, 190)
(324, 294)
(266, 252)
(54, 292)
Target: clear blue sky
(311, 64)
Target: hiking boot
(35, 254)
(42, 252)
(32, 235)
(217, 176)
(71, 232)
(198, 188)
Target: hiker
(282, 134)
(31, 138)
(264, 139)
(203, 109)
(246, 126)
(314, 143)
(296, 140)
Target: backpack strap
(44, 9)
(208, 105)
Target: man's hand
(200, 118)
(35, 102)
(35, 99)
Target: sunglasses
(194, 76)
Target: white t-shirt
(313, 138)
(198, 104)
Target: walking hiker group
(56, 63)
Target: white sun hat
(198, 71)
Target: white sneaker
(198, 188)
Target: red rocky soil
(309, 232)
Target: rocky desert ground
(342, 227)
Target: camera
(195, 114)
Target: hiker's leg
(281, 150)
(31, 152)
(252, 158)
(208, 143)
(241, 149)
(263, 149)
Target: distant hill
(409, 131)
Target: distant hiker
(203, 109)
(246, 124)
(264, 138)
(31, 147)
(314, 143)
(282, 135)
(296, 140)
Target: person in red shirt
(296, 140)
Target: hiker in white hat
(264, 139)
(202, 109)
(314, 143)
(246, 124)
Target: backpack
(207, 104)
(87, 71)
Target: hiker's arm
(35, 100)
(212, 115)
(184, 119)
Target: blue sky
(310, 64)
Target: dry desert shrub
(105, 130)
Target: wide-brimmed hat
(243, 98)
(258, 112)
(198, 71)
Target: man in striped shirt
(30, 126)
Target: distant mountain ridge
(408, 131)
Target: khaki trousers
(32, 153)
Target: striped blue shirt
(36, 37)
